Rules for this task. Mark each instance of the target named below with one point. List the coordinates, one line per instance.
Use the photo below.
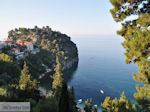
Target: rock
(52, 42)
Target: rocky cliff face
(50, 43)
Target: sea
(101, 70)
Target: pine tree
(64, 99)
(25, 82)
(57, 78)
(64, 96)
(72, 102)
(136, 33)
(117, 105)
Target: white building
(29, 46)
(20, 55)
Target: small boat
(95, 106)
(80, 101)
(102, 91)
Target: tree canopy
(57, 78)
(25, 82)
(5, 58)
(134, 16)
(117, 105)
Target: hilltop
(39, 48)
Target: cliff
(50, 43)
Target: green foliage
(57, 78)
(25, 82)
(89, 106)
(67, 100)
(72, 101)
(117, 105)
(23, 88)
(9, 70)
(64, 99)
(36, 62)
(5, 57)
(137, 42)
(46, 105)
(6, 49)
(46, 39)
(23, 30)
(28, 40)
(3, 92)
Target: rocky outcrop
(50, 43)
(70, 63)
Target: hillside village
(20, 49)
(39, 47)
(34, 40)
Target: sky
(72, 17)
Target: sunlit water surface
(102, 67)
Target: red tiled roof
(28, 43)
(20, 43)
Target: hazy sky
(73, 17)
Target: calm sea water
(102, 67)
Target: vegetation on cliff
(29, 55)
(38, 47)
(51, 41)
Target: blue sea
(102, 67)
